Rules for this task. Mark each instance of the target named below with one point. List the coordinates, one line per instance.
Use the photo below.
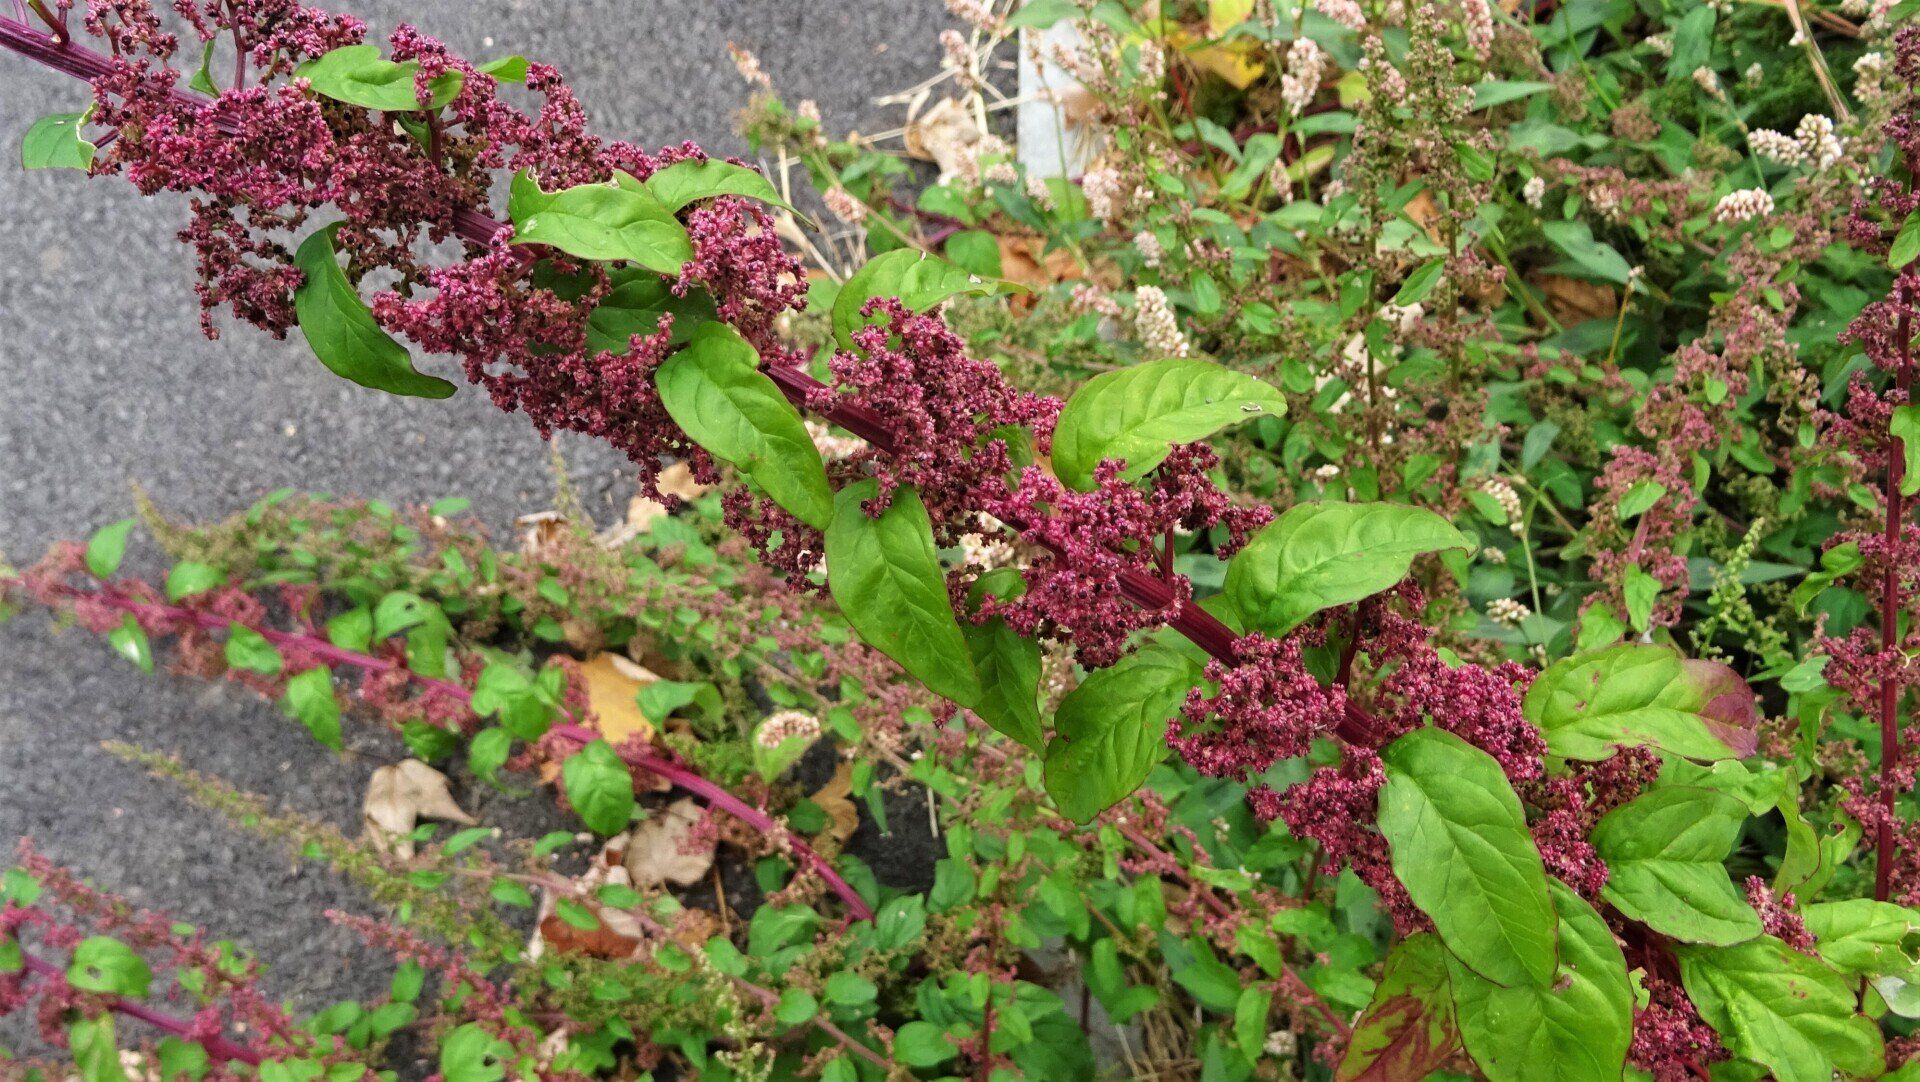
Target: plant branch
(222, 1049)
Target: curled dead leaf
(662, 848)
(836, 799)
(945, 135)
(677, 480)
(401, 795)
(1574, 301)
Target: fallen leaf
(613, 682)
(677, 480)
(945, 135)
(401, 795)
(542, 535)
(692, 928)
(835, 798)
(1574, 301)
(661, 847)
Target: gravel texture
(109, 381)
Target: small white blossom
(1306, 66)
(1507, 612)
(1154, 321)
(1743, 205)
(1148, 245)
(1534, 191)
(844, 206)
(1345, 12)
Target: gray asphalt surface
(107, 380)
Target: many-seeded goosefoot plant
(1551, 846)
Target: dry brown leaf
(542, 535)
(660, 848)
(1574, 301)
(401, 795)
(677, 480)
(835, 798)
(1425, 214)
(612, 684)
(945, 135)
(693, 927)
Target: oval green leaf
(601, 222)
(690, 181)
(341, 330)
(54, 142)
(1111, 731)
(599, 787)
(919, 280)
(1460, 846)
(1665, 852)
(1781, 1009)
(359, 75)
(1319, 555)
(1138, 414)
(715, 391)
(885, 575)
(1640, 694)
(1576, 1030)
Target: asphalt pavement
(109, 381)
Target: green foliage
(715, 391)
(359, 75)
(1460, 845)
(1319, 555)
(341, 330)
(1138, 414)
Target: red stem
(1890, 630)
(677, 773)
(221, 1049)
(1142, 588)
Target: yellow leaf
(612, 684)
(1224, 15)
(1233, 62)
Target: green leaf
(1640, 694)
(1597, 258)
(1575, 1030)
(359, 75)
(1906, 243)
(886, 577)
(1111, 730)
(634, 305)
(1319, 555)
(107, 548)
(922, 1044)
(95, 1052)
(1788, 1012)
(310, 701)
(54, 142)
(488, 752)
(1459, 843)
(341, 330)
(188, 578)
(1041, 14)
(976, 251)
(621, 220)
(1008, 664)
(183, 1059)
(797, 1005)
(1409, 1029)
(105, 965)
(690, 181)
(130, 641)
(1865, 937)
(920, 281)
(1665, 854)
(599, 787)
(1492, 92)
(471, 1054)
(1420, 283)
(1137, 415)
(1905, 427)
(249, 650)
(507, 69)
(715, 391)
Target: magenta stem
(222, 1049)
(677, 773)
